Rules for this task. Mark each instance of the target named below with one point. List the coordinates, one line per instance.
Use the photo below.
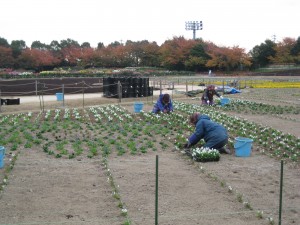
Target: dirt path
(186, 195)
(46, 190)
(287, 126)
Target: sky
(228, 23)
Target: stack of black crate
(10, 101)
(132, 87)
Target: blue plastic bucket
(2, 154)
(242, 146)
(60, 96)
(138, 107)
(225, 101)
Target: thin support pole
(223, 88)
(1, 101)
(152, 95)
(36, 87)
(43, 103)
(186, 86)
(172, 90)
(63, 92)
(280, 197)
(119, 91)
(156, 193)
(160, 88)
(82, 97)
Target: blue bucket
(2, 154)
(225, 101)
(138, 107)
(242, 146)
(60, 96)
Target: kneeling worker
(214, 134)
(208, 95)
(163, 104)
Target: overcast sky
(243, 23)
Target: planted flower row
(114, 126)
(245, 106)
(271, 141)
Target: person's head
(210, 87)
(166, 98)
(194, 118)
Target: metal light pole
(194, 25)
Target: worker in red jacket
(208, 95)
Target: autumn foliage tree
(283, 51)
(150, 56)
(35, 59)
(6, 57)
(174, 54)
(223, 58)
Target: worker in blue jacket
(163, 104)
(214, 134)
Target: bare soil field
(42, 189)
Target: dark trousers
(220, 145)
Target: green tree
(100, 45)
(197, 59)
(4, 43)
(261, 53)
(39, 45)
(295, 51)
(69, 43)
(114, 44)
(17, 47)
(85, 45)
(55, 46)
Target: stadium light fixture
(194, 25)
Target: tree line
(174, 54)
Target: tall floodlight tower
(194, 25)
